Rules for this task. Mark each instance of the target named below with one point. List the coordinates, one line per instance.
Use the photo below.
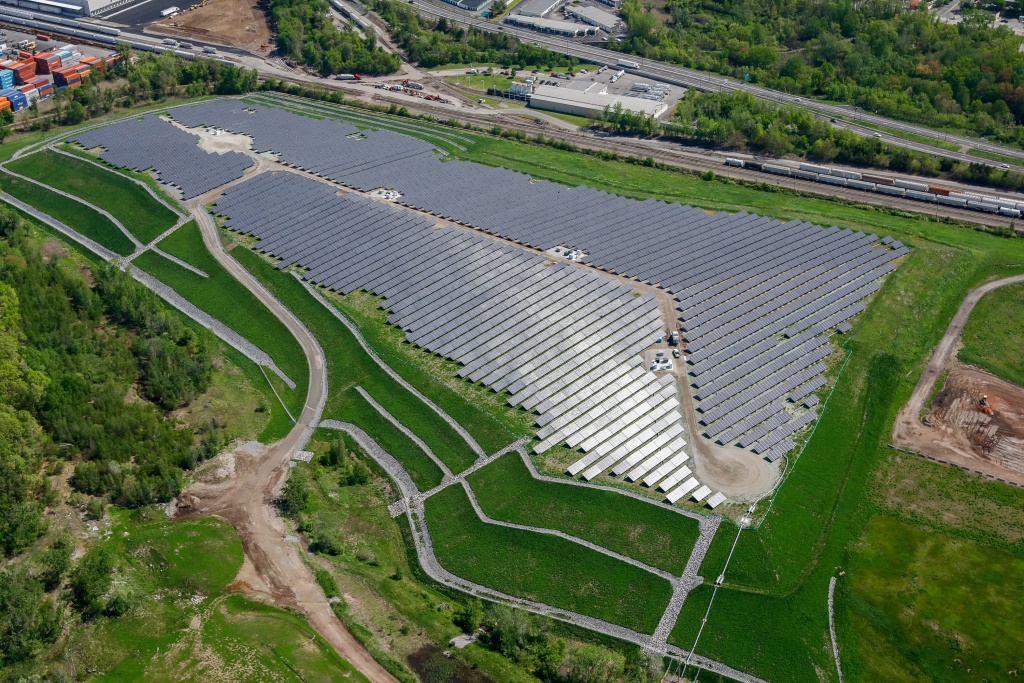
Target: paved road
(908, 421)
(692, 78)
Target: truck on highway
(348, 77)
(210, 50)
(170, 41)
(627, 64)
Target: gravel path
(70, 233)
(67, 195)
(389, 370)
(405, 430)
(832, 625)
(671, 578)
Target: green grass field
(544, 568)
(994, 334)
(904, 580)
(142, 215)
(650, 533)
(994, 157)
(184, 626)
(69, 212)
(229, 301)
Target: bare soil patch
(236, 23)
(956, 430)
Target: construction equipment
(983, 405)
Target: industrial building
(561, 28)
(471, 5)
(536, 8)
(590, 101)
(595, 17)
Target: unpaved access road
(909, 431)
(273, 570)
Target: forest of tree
(874, 54)
(739, 121)
(91, 366)
(431, 43)
(306, 34)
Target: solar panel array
(757, 296)
(562, 340)
(149, 142)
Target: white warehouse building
(590, 102)
(606, 21)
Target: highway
(701, 80)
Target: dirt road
(273, 569)
(909, 431)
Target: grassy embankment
(994, 334)
(142, 215)
(506, 491)
(226, 299)
(350, 366)
(183, 620)
(72, 214)
(384, 605)
(547, 569)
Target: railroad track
(698, 161)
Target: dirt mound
(954, 428)
(235, 23)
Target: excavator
(983, 405)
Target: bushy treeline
(74, 352)
(306, 34)
(526, 639)
(738, 121)
(431, 43)
(875, 54)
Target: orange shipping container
(934, 189)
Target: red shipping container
(26, 88)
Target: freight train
(869, 182)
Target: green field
(650, 533)
(543, 568)
(69, 212)
(183, 625)
(229, 301)
(994, 157)
(905, 580)
(994, 334)
(143, 216)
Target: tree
(27, 619)
(91, 579)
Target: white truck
(625, 63)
